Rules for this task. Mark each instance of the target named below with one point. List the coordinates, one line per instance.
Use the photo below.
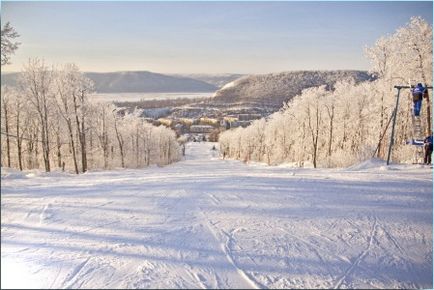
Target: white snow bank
(375, 164)
(9, 173)
(368, 164)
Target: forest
(351, 122)
(48, 122)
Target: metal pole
(393, 125)
(382, 135)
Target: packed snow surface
(211, 223)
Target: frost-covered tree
(50, 118)
(36, 84)
(8, 45)
(313, 116)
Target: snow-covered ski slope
(211, 223)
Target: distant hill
(144, 82)
(136, 82)
(218, 80)
(275, 88)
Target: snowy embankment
(210, 223)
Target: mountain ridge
(273, 88)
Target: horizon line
(206, 73)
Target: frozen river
(132, 97)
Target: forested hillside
(276, 88)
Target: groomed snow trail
(211, 223)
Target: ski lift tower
(417, 128)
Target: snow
(368, 164)
(211, 223)
(228, 85)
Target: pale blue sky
(205, 37)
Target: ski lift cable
(34, 140)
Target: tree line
(155, 103)
(349, 123)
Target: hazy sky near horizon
(204, 37)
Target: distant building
(235, 124)
(201, 128)
(180, 129)
(244, 124)
(166, 122)
(230, 118)
(249, 117)
(186, 121)
(208, 121)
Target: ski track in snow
(211, 223)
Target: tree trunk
(83, 146)
(148, 147)
(8, 146)
(314, 134)
(19, 142)
(36, 151)
(315, 144)
(104, 140)
(72, 143)
(77, 122)
(121, 144)
(31, 136)
(137, 146)
(45, 138)
(331, 116)
(59, 151)
(45, 146)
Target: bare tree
(119, 137)
(21, 126)
(313, 125)
(331, 114)
(36, 82)
(84, 87)
(32, 142)
(102, 134)
(147, 138)
(64, 106)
